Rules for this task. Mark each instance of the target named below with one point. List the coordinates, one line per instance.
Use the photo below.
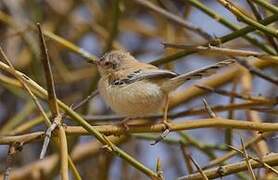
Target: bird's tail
(175, 82)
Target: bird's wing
(151, 74)
(175, 82)
(144, 73)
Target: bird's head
(114, 61)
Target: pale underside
(139, 91)
(136, 99)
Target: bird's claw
(166, 124)
(124, 124)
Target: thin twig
(52, 102)
(271, 159)
(259, 17)
(186, 158)
(55, 112)
(258, 72)
(243, 17)
(76, 117)
(23, 138)
(13, 148)
(246, 157)
(63, 154)
(60, 40)
(74, 170)
(221, 40)
(84, 101)
(21, 78)
(209, 110)
(232, 94)
(175, 19)
(230, 154)
(159, 170)
(115, 22)
(161, 137)
(175, 141)
(221, 51)
(189, 112)
(232, 26)
(48, 134)
(178, 126)
(267, 5)
(229, 131)
(48, 75)
(256, 159)
(204, 176)
(197, 144)
(57, 121)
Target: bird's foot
(124, 124)
(166, 124)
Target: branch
(258, 72)
(76, 117)
(23, 139)
(241, 16)
(175, 19)
(271, 159)
(193, 124)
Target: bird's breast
(136, 99)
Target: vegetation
(53, 124)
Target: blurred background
(96, 27)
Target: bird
(134, 89)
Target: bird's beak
(96, 62)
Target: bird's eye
(106, 63)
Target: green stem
(41, 92)
(222, 39)
(229, 25)
(248, 20)
(267, 5)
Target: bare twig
(55, 112)
(114, 24)
(220, 51)
(76, 117)
(204, 176)
(159, 170)
(245, 18)
(271, 159)
(51, 93)
(49, 75)
(259, 17)
(209, 110)
(48, 133)
(258, 72)
(229, 131)
(84, 101)
(256, 159)
(23, 139)
(232, 94)
(161, 136)
(9, 160)
(178, 126)
(175, 19)
(186, 159)
(246, 157)
(230, 154)
(21, 78)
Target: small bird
(135, 89)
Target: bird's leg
(124, 123)
(165, 122)
(165, 113)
